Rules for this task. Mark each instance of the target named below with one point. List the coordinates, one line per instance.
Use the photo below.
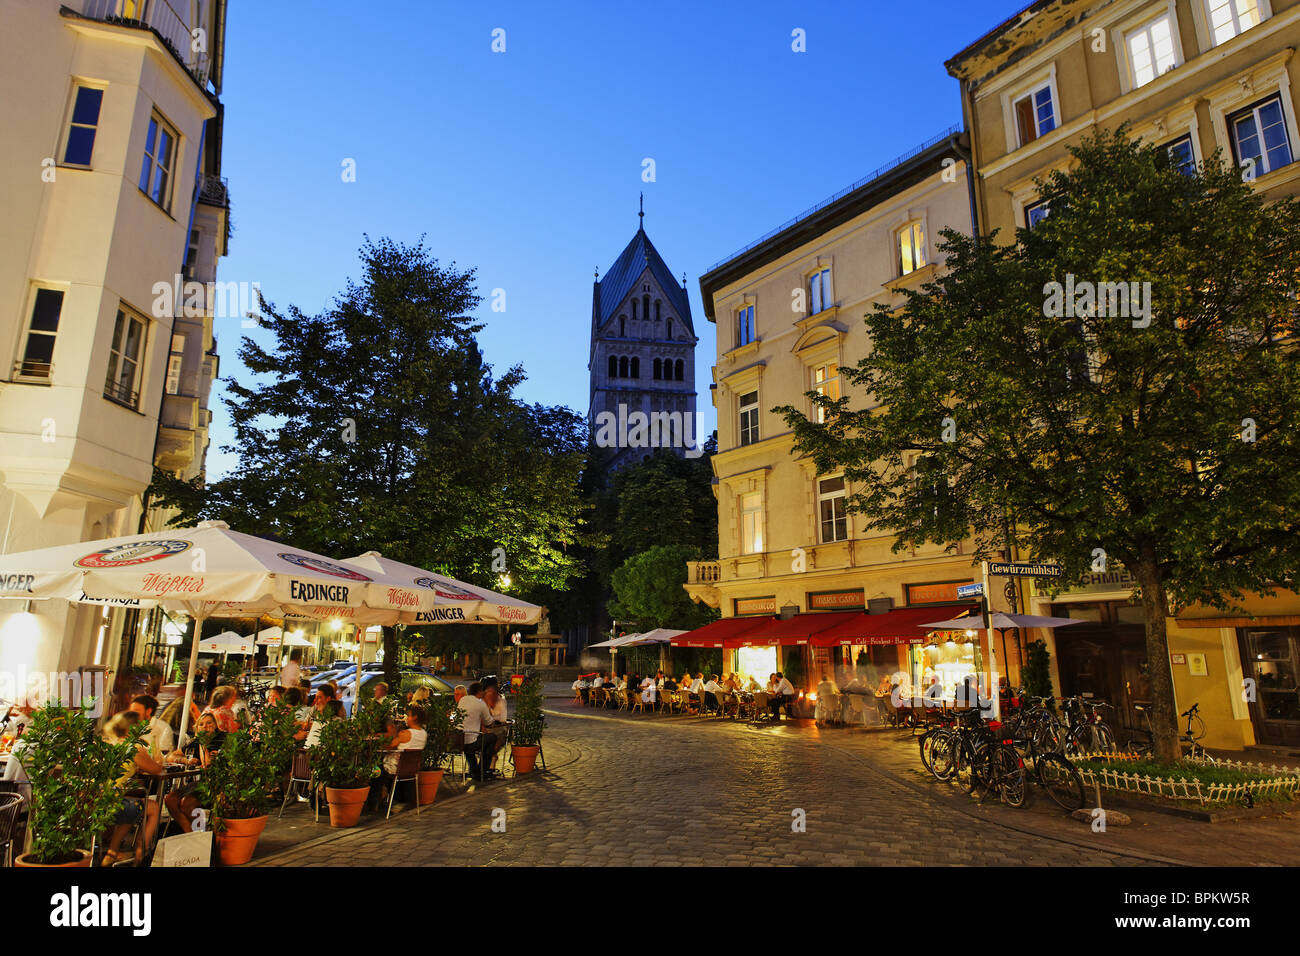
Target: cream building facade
(1194, 76)
(112, 155)
(789, 311)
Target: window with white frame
(749, 418)
(1151, 50)
(1228, 18)
(36, 359)
(1182, 156)
(751, 523)
(175, 365)
(1035, 114)
(911, 248)
(819, 291)
(125, 360)
(826, 381)
(1036, 212)
(744, 325)
(832, 511)
(80, 145)
(159, 163)
(1259, 136)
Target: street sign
(970, 590)
(1025, 569)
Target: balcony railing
(159, 17)
(214, 191)
(703, 572)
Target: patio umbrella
(205, 571)
(227, 642)
(271, 637)
(660, 635)
(448, 599)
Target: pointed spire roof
(639, 255)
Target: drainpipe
(968, 159)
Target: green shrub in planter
(240, 782)
(72, 770)
(528, 714)
(444, 719)
(348, 752)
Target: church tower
(642, 345)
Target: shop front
(1272, 684)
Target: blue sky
(527, 164)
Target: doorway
(1272, 659)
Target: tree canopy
(648, 590)
(1117, 384)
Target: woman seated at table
(181, 802)
(171, 716)
(133, 808)
(333, 708)
(220, 704)
(411, 737)
(649, 691)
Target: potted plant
(73, 771)
(346, 759)
(444, 719)
(239, 783)
(527, 733)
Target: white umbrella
(622, 641)
(449, 600)
(293, 640)
(660, 635)
(271, 637)
(206, 571)
(227, 642)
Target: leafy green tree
(377, 425)
(648, 590)
(1163, 438)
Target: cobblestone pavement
(684, 791)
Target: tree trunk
(392, 675)
(1164, 723)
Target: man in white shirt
(476, 717)
(158, 735)
(290, 673)
(783, 697)
(712, 692)
(649, 691)
(599, 681)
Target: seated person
(782, 696)
(411, 737)
(220, 706)
(181, 802)
(712, 691)
(500, 726)
(649, 691)
(133, 808)
(332, 709)
(827, 707)
(694, 690)
(477, 716)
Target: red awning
(899, 626)
(791, 631)
(712, 635)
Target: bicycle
(999, 767)
(1086, 731)
(1142, 739)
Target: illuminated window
(1151, 50)
(1035, 115)
(826, 381)
(911, 248)
(1259, 137)
(1231, 17)
(751, 523)
(749, 418)
(831, 510)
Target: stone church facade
(642, 356)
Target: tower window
(659, 369)
(622, 325)
(645, 302)
(670, 328)
(613, 366)
(636, 367)
(658, 306)
(678, 376)
(622, 367)
(634, 310)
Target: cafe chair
(636, 702)
(457, 755)
(408, 765)
(299, 775)
(11, 830)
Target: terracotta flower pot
(525, 758)
(28, 860)
(236, 843)
(346, 804)
(428, 784)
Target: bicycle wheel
(1061, 780)
(926, 745)
(1078, 742)
(1105, 738)
(1047, 736)
(943, 755)
(1009, 776)
(971, 771)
